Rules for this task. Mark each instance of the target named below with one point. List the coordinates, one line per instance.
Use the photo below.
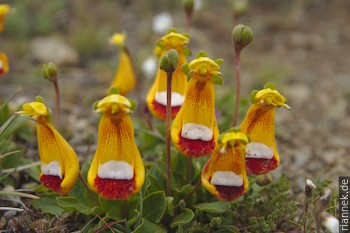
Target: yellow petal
(4, 9)
(259, 125)
(231, 161)
(174, 40)
(113, 104)
(116, 143)
(125, 78)
(268, 96)
(118, 39)
(54, 148)
(204, 66)
(34, 109)
(198, 108)
(179, 82)
(4, 64)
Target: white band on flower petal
(227, 178)
(52, 169)
(119, 170)
(176, 98)
(258, 150)
(196, 131)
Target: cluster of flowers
(4, 64)
(117, 169)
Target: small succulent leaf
(183, 218)
(154, 206)
(201, 54)
(187, 52)
(217, 80)
(213, 207)
(219, 61)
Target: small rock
(54, 49)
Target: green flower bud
(169, 60)
(50, 72)
(241, 35)
(188, 6)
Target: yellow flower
(259, 125)
(117, 170)
(194, 131)
(124, 78)
(4, 9)
(224, 174)
(59, 163)
(156, 98)
(4, 64)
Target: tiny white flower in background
(330, 222)
(310, 183)
(162, 22)
(149, 67)
(197, 5)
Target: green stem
(238, 86)
(88, 189)
(58, 107)
(167, 119)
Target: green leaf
(182, 218)
(219, 61)
(201, 54)
(73, 204)
(48, 205)
(170, 206)
(187, 52)
(147, 226)
(270, 85)
(185, 69)
(154, 206)
(217, 80)
(213, 207)
(133, 104)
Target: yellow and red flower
(194, 131)
(156, 98)
(59, 163)
(259, 125)
(117, 170)
(4, 10)
(124, 78)
(4, 64)
(224, 174)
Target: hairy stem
(167, 119)
(238, 86)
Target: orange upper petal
(125, 78)
(116, 143)
(179, 82)
(259, 125)
(54, 148)
(233, 161)
(198, 108)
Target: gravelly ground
(303, 48)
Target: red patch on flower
(260, 166)
(161, 110)
(229, 193)
(114, 189)
(196, 148)
(51, 182)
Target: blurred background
(301, 45)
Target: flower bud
(242, 35)
(309, 187)
(188, 6)
(169, 60)
(50, 72)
